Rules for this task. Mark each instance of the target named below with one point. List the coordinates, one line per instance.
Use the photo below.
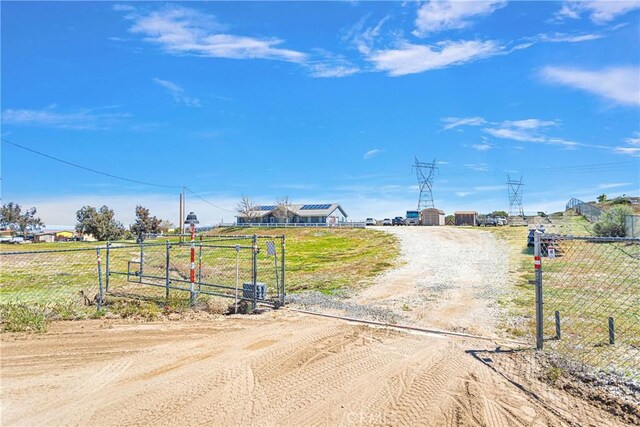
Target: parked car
(490, 222)
(386, 221)
(398, 221)
(501, 220)
(370, 221)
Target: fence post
(99, 279)
(108, 266)
(167, 281)
(538, 281)
(282, 293)
(612, 334)
(200, 266)
(141, 261)
(235, 305)
(558, 330)
(255, 271)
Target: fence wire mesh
(64, 281)
(591, 301)
(225, 266)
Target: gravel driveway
(450, 278)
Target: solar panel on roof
(265, 208)
(314, 207)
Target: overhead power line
(135, 181)
(208, 202)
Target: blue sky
(320, 101)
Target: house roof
(310, 209)
(465, 213)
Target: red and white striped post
(192, 220)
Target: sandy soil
(282, 368)
(286, 368)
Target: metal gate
(242, 268)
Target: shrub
(23, 318)
(612, 222)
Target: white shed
(432, 216)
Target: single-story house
(432, 216)
(466, 218)
(327, 213)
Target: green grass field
(330, 259)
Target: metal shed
(432, 216)
(466, 218)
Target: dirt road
(285, 368)
(450, 279)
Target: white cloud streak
(371, 153)
(632, 148)
(613, 185)
(82, 119)
(178, 93)
(435, 16)
(184, 31)
(410, 58)
(599, 11)
(619, 84)
(454, 122)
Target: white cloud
(613, 185)
(482, 147)
(411, 58)
(178, 93)
(454, 122)
(435, 16)
(506, 130)
(567, 38)
(478, 167)
(82, 119)
(529, 123)
(464, 193)
(331, 65)
(369, 154)
(599, 11)
(489, 188)
(633, 147)
(620, 84)
(184, 31)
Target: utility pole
(180, 220)
(425, 173)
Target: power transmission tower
(514, 189)
(425, 173)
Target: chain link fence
(76, 280)
(588, 301)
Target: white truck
(412, 218)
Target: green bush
(612, 222)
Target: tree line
(98, 222)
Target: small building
(327, 213)
(48, 237)
(432, 216)
(64, 235)
(466, 218)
